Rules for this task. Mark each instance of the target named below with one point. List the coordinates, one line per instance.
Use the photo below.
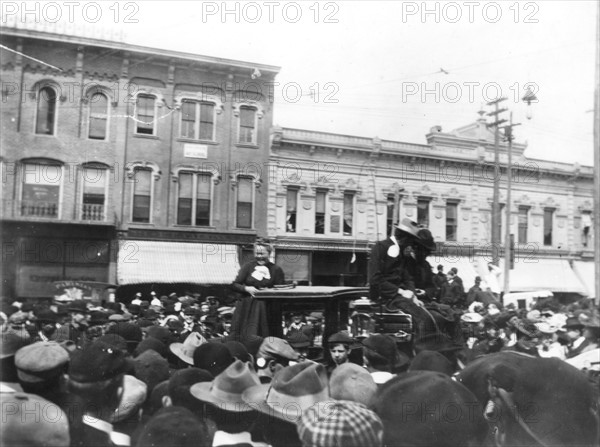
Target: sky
(395, 69)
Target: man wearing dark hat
(96, 380)
(390, 278)
(388, 273)
(579, 343)
(45, 325)
(75, 330)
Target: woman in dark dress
(250, 316)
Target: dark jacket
(386, 273)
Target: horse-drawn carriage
(342, 308)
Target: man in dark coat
(390, 279)
(389, 275)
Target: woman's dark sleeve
(239, 284)
(278, 275)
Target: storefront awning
(176, 262)
(585, 271)
(555, 275)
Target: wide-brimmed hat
(78, 306)
(133, 397)
(546, 328)
(185, 350)
(97, 362)
(350, 381)
(471, 317)
(404, 405)
(340, 423)
(11, 343)
(293, 390)
(409, 226)
(226, 390)
(385, 347)
(425, 239)
(431, 361)
(213, 357)
(573, 323)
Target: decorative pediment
(252, 104)
(149, 165)
(424, 192)
(454, 195)
(351, 186)
(200, 97)
(549, 203)
(199, 169)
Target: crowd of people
(186, 371)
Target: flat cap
(40, 361)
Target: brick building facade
(112, 153)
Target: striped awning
(176, 262)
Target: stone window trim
(97, 88)
(195, 169)
(199, 97)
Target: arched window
(98, 126)
(46, 111)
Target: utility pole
(597, 161)
(507, 236)
(496, 218)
